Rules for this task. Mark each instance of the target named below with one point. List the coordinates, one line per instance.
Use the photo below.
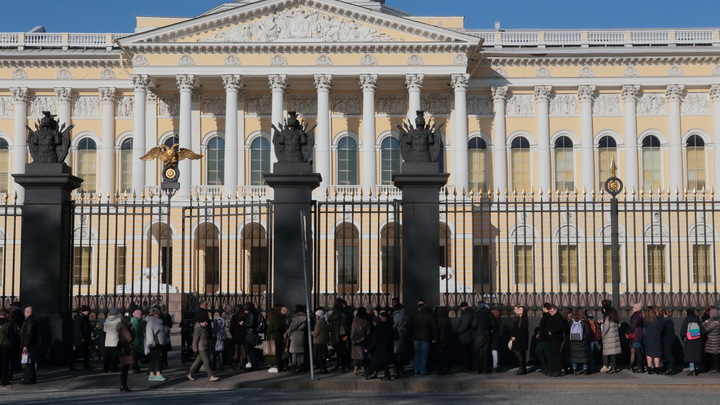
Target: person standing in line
(136, 322)
(251, 323)
(579, 338)
(636, 333)
(219, 347)
(401, 341)
(110, 354)
(237, 335)
(610, 337)
(712, 345)
(297, 332)
(29, 339)
(125, 350)
(446, 340)
(482, 338)
(7, 337)
(200, 344)
(692, 341)
(380, 347)
(168, 323)
(359, 332)
(541, 350)
(519, 336)
(155, 335)
(82, 337)
(321, 337)
(424, 332)
(555, 333)
(496, 336)
(668, 339)
(338, 336)
(276, 327)
(653, 339)
(464, 330)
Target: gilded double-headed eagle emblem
(170, 156)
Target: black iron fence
(513, 249)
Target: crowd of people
(367, 341)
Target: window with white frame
(656, 264)
(347, 162)
(125, 162)
(259, 160)
(564, 171)
(523, 264)
(389, 159)
(695, 160)
(87, 165)
(215, 161)
(607, 151)
(520, 163)
(477, 164)
(651, 163)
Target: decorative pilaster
(674, 94)
(278, 84)
(107, 149)
(630, 94)
(140, 84)
(542, 96)
(586, 94)
(459, 151)
(368, 83)
(323, 155)
(414, 84)
(186, 84)
(232, 85)
(499, 155)
(19, 151)
(715, 95)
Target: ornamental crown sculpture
(49, 143)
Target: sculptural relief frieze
(6, 107)
(125, 106)
(391, 104)
(86, 106)
(169, 105)
(563, 104)
(696, 103)
(651, 104)
(435, 103)
(347, 104)
(305, 103)
(38, 104)
(607, 104)
(479, 104)
(214, 105)
(298, 24)
(520, 105)
(259, 104)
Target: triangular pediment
(298, 21)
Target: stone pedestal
(46, 255)
(293, 184)
(420, 184)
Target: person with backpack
(712, 345)
(635, 335)
(691, 334)
(579, 342)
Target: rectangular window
(607, 264)
(125, 170)
(564, 173)
(524, 264)
(390, 264)
(605, 157)
(347, 264)
(477, 163)
(652, 172)
(82, 265)
(568, 264)
(87, 170)
(695, 168)
(258, 265)
(120, 265)
(4, 166)
(702, 264)
(481, 264)
(212, 267)
(656, 263)
(520, 170)
(166, 264)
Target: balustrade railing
(597, 38)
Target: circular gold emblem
(613, 185)
(170, 173)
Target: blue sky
(103, 16)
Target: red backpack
(596, 331)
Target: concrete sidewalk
(65, 380)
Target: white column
(631, 180)
(64, 114)
(107, 150)
(542, 95)
(232, 85)
(323, 150)
(278, 84)
(140, 83)
(240, 117)
(459, 152)
(586, 93)
(368, 155)
(715, 94)
(414, 83)
(499, 155)
(186, 84)
(151, 134)
(196, 166)
(674, 93)
(19, 155)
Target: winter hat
(713, 313)
(319, 312)
(137, 313)
(113, 311)
(219, 322)
(463, 304)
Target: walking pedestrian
(200, 345)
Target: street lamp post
(613, 185)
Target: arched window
(125, 162)
(477, 164)
(389, 159)
(607, 151)
(347, 162)
(564, 173)
(347, 257)
(87, 165)
(4, 165)
(215, 161)
(520, 163)
(171, 140)
(259, 161)
(695, 149)
(651, 163)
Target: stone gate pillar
(46, 268)
(420, 184)
(293, 184)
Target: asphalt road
(257, 396)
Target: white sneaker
(214, 378)
(604, 369)
(273, 370)
(248, 365)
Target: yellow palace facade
(531, 120)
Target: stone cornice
(61, 63)
(600, 61)
(295, 48)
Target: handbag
(124, 349)
(630, 336)
(269, 348)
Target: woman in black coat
(668, 339)
(381, 347)
(519, 337)
(693, 348)
(653, 339)
(580, 345)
